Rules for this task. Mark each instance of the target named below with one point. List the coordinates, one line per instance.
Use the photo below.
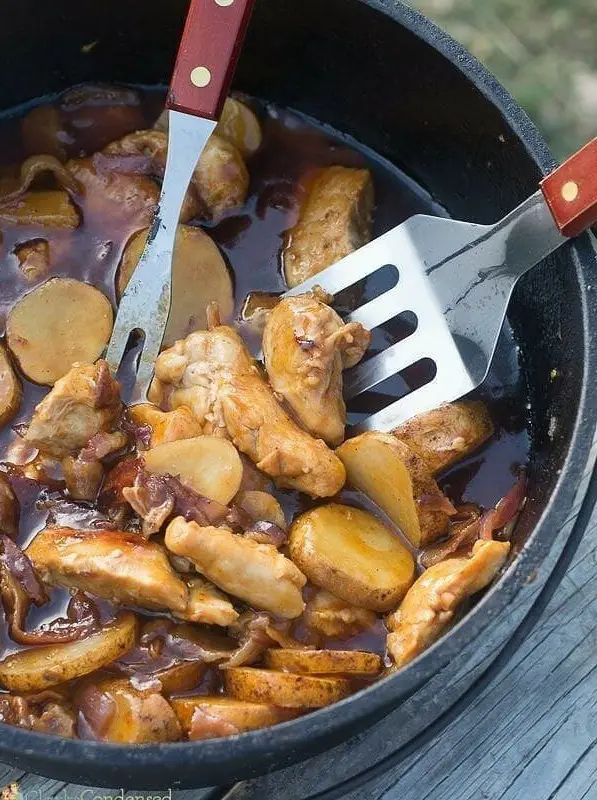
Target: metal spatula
(457, 278)
(207, 56)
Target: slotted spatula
(457, 278)
(208, 52)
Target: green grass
(543, 51)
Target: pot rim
(386, 694)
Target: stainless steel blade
(145, 304)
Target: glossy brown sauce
(251, 239)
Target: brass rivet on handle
(570, 191)
(200, 77)
(224, 2)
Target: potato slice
(138, 716)
(335, 219)
(206, 717)
(398, 481)
(352, 554)
(239, 125)
(261, 506)
(61, 322)
(447, 434)
(323, 662)
(199, 276)
(10, 388)
(181, 677)
(210, 465)
(283, 688)
(37, 669)
(49, 208)
(166, 426)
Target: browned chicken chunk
(447, 434)
(118, 566)
(431, 602)
(334, 221)
(212, 373)
(328, 615)
(306, 345)
(207, 604)
(9, 508)
(256, 573)
(82, 403)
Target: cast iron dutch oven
(379, 71)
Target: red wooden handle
(207, 56)
(571, 191)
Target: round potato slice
(232, 716)
(41, 667)
(283, 688)
(199, 276)
(324, 662)
(209, 465)
(10, 388)
(57, 324)
(352, 554)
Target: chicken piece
(82, 403)
(335, 220)
(207, 605)
(118, 566)
(448, 433)
(330, 616)
(166, 426)
(112, 196)
(212, 373)
(306, 345)
(256, 573)
(9, 509)
(432, 601)
(130, 715)
(220, 179)
(56, 719)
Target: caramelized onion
(505, 511)
(265, 532)
(33, 167)
(96, 711)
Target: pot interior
(342, 63)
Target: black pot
(384, 74)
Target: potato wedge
(352, 554)
(166, 426)
(52, 209)
(37, 669)
(335, 219)
(206, 717)
(323, 662)
(138, 717)
(209, 465)
(261, 506)
(10, 388)
(239, 125)
(447, 434)
(283, 688)
(61, 322)
(398, 481)
(199, 276)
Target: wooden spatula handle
(207, 56)
(571, 191)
